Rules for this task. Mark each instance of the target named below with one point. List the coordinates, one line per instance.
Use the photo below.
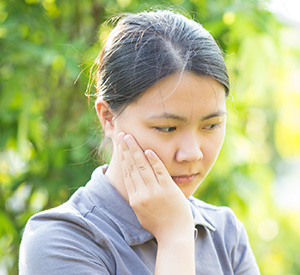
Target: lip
(184, 178)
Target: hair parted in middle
(146, 47)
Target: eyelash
(212, 127)
(163, 129)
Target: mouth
(184, 178)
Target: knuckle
(159, 172)
(135, 203)
(142, 167)
(126, 174)
(143, 199)
(130, 168)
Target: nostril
(189, 154)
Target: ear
(105, 116)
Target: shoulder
(229, 233)
(62, 218)
(62, 236)
(226, 228)
(54, 226)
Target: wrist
(177, 236)
(176, 255)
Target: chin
(188, 193)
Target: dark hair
(147, 47)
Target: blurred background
(49, 134)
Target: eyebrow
(216, 114)
(184, 119)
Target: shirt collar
(198, 217)
(113, 205)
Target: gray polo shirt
(97, 232)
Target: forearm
(176, 256)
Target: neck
(115, 176)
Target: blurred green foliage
(50, 135)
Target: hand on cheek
(159, 204)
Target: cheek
(128, 125)
(162, 149)
(214, 146)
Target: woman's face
(183, 121)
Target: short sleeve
(58, 246)
(243, 260)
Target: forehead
(185, 95)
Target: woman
(161, 92)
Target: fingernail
(121, 137)
(149, 154)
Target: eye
(165, 129)
(212, 126)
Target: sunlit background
(49, 134)
(287, 132)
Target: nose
(189, 150)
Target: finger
(129, 184)
(159, 168)
(130, 165)
(142, 164)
